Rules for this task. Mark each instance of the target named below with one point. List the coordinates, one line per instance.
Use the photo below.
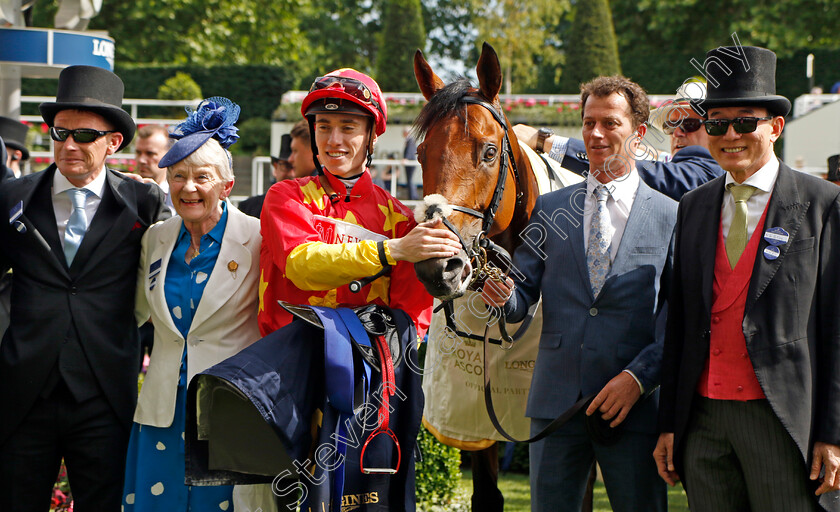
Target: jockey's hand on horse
(496, 293)
(425, 241)
(616, 399)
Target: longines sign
(44, 52)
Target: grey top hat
(742, 76)
(93, 89)
(14, 134)
(833, 168)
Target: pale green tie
(736, 240)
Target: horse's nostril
(453, 265)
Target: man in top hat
(690, 166)
(833, 169)
(14, 133)
(750, 401)
(12, 151)
(68, 362)
(281, 169)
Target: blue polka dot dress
(154, 477)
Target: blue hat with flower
(214, 118)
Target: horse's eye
(490, 153)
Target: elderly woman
(211, 246)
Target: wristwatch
(542, 134)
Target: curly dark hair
(603, 86)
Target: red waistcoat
(729, 373)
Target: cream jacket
(225, 321)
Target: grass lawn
(517, 494)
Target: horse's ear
(428, 81)
(489, 73)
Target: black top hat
(14, 133)
(742, 76)
(96, 90)
(285, 148)
(833, 168)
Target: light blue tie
(77, 225)
(600, 236)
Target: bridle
(477, 252)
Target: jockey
(322, 232)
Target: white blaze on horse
(483, 183)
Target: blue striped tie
(77, 225)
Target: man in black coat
(5, 172)
(68, 362)
(750, 398)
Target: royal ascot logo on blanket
(336, 231)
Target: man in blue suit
(613, 236)
(690, 165)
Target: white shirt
(619, 203)
(63, 207)
(763, 180)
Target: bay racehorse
(467, 142)
(482, 184)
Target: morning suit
(790, 320)
(689, 168)
(252, 206)
(5, 279)
(72, 338)
(586, 341)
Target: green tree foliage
(402, 34)
(179, 87)
(257, 89)
(451, 32)
(203, 31)
(520, 34)
(340, 34)
(591, 48)
(657, 40)
(254, 137)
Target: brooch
(232, 266)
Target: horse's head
(472, 160)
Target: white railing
(808, 102)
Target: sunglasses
(80, 135)
(688, 125)
(718, 127)
(351, 86)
